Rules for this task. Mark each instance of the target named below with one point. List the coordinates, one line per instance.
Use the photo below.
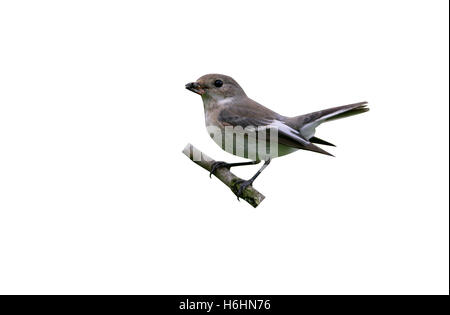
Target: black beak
(195, 87)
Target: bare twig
(250, 194)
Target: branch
(250, 194)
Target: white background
(96, 196)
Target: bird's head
(216, 87)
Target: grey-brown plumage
(253, 114)
(226, 104)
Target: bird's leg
(243, 184)
(220, 164)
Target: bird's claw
(243, 184)
(217, 165)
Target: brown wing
(238, 116)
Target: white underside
(249, 148)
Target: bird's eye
(218, 83)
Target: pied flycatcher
(233, 120)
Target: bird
(227, 107)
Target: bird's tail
(307, 124)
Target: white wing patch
(286, 129)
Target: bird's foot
(243, 184)
(217, 165)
